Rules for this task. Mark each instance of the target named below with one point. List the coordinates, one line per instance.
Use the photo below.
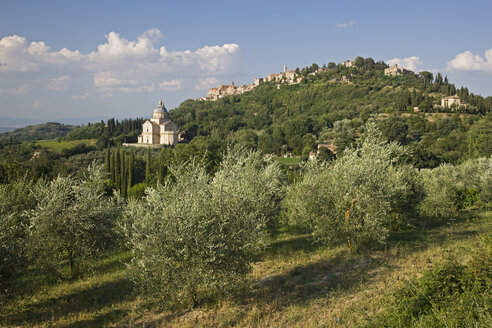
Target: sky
(79, 61)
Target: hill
(331, 105)
(50, 130)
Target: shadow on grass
(314, 280)
(91, 299)
(291, 245)
(430, 232)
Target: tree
(331, 65)
(359, 198)
(196, 234)
(359, 62)
(427, 77)
(16, 199)
(394, 128)
(72, 223)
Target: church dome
(160, 111)
(160, 108)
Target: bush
(196, 234)
(449, 295)
(73, 222)
(16, 199)
(451, 188)
(358, 198)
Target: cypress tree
(147, 167)
(117, 170)
(161, 166)
(108, 159)
(130, 169)
(123, 171)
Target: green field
(293, 284)
(58, 146)
(288, 161)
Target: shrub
(196, 234)
(358, 198)
(450, 188)
(73, 222)
(449, 295)
(16, 199)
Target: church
(159, 130)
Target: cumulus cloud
(142, 55)
(173, 85)
(467, 61)
(343, 25)
(21, 90)
(206, 83)
(108, 80)
(17, 55)
(59, 83)
(116, 65)
(412, 63)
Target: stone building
(395, 70)
(447, 102)
(159, 130)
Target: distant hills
(48, 130)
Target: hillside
(293, 284)
(50, 130)
(332, 105)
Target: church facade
(159, 130)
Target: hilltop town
(286, 77)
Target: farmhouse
(447, 102)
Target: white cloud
(467, 61)
(173, 85)
(343, 25)
(108, 80)
(412, 63)
(17, 55)
(206, 83)
(21, 90)
(59, 83)
(116, 65)
(80, 97)
(36, 104)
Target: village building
(395, 71)
(349, 63)
(448, 102)
(159, 130)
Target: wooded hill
(280, 118)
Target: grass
(288, 161)
(58, 146)
(293, 284)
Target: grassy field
(58, 146)
(293, 284)
(288, 161)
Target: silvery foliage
(16, 199)
(197, 233)
(446, 184)
(357, 199)
(484, 179)
(73, 222)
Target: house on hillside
(395, 71)
(448, 102)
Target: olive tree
(73, 222)
(359, 198)
(450, 188)
(16, 199)
(196, 234)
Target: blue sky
(81, 60)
